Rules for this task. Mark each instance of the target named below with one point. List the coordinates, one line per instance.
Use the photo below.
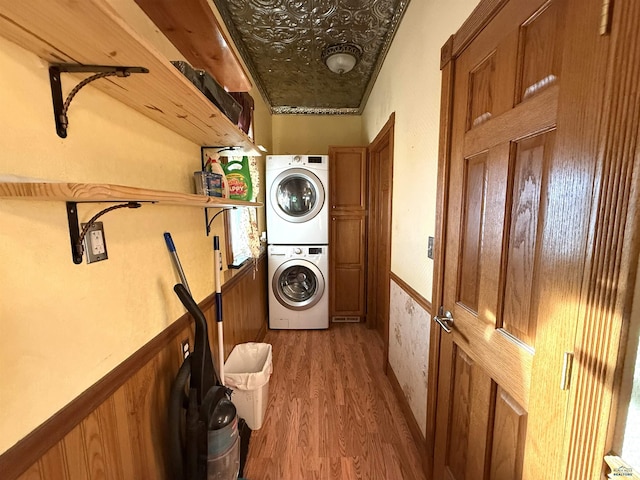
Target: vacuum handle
(190, 304)
(203, 373)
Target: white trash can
(247, 371)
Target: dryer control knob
(297, 159)
(297, 251)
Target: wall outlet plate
(184, 345)
(94, 243)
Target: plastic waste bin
(247, 371)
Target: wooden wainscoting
(117, 428)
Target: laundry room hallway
(332, 413)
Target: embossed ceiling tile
(282, 41)
(266, 44)
(278, 13)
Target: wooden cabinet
(348, 179)
(347, 232)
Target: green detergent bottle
(238, 178)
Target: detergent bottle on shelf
(212, 164)
(239, 178)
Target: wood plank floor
(332, 413)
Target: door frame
(384, 137)
(612, 256)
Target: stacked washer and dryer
(298, 241)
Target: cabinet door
(347, 179)
(348, 246)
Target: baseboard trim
(414, 428)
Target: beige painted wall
(312, 134)
(64, 326)
(409, 85)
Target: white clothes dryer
(298, 286)
(297, 199)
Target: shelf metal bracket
(208, 221)
(76, 236)
(60, 107)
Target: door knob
(444, 319)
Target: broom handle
(217, 260)
(176, 261)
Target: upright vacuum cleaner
(203, 425)
(206, 438)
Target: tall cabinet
(348, 233)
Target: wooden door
(347, 232)
(379, 262)
(519, 206)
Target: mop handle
(217, 266)
(176, 261)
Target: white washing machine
(299, 286)
(297, 199)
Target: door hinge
(605, 17)
(567, 368)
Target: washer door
(298, 284)
(297, 195)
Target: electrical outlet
(94, 243)
(185, 348)
(430, 248)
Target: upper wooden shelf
(91, 33)
(196, 33)
(100, 192)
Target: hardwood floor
(331, 412)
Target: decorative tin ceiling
(281, 42)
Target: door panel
(348, 179)
(476, 174)
(510, 428)
(469, 416)
(348, 234)
(539, 60)
(520, 296)
(502, 139)
(482, 92)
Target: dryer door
(297, 195)
(298, 284)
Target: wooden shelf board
(194, 30)
(91, 33)
(94, 192)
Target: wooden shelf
(91, 33)
(99, 192)
(193, 29)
